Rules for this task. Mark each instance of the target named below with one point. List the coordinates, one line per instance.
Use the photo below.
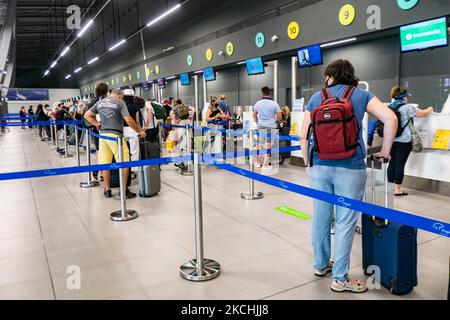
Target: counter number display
(255, 66)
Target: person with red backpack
(336, 164)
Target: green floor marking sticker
(293, 212)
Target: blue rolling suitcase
(392, 247)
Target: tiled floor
(49, 224)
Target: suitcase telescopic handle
(386, 189)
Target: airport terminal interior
(211, 101)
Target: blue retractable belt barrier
(99, 136)
(83, 169)
(434, 226)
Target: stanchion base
(189, 270)
(255, 196)
(65, 156)
(89, 184)
(130, 215)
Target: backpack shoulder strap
(326, 94)
(348, 93)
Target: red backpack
(335, 127)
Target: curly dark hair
(343, 72)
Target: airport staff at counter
(345, 177)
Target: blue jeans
(347, 183)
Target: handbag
(417, 144)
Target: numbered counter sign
(347, 15)
(407, 4)
(260, 40)
(189, 60)
(293, 30)
(148, 72)
(157, 69)
(230, 48)
(209, 54)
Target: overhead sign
(230, 48)
(15, 94)
(423, 35)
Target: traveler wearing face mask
(341, 174)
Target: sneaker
(129, 194)
(267, 167)
(107, 193)
(258, 165)
(350, 285)
(325, 271)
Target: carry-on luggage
(391, 246)
(149, 176)
(114, 175)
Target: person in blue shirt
(266, 114)
(223, 105)
(344, 177)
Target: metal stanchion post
(160, 135)
(66, 149)
(56, 137)
(77, 145)
(123, 214)
(199, 269)
(252, 194)
(89, 183)
(189, 171)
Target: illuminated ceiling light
(78, 70)
(337, 42)
(239, 63)
(65, 51)
(163, 15)
(46, 73)
(53, 64)
(170, 78)
(92, 60)
(117, 45)
(198, 72)
(85, 28)
(68, 76)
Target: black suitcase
(392, 247)
(149, 176)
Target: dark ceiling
(41, 29)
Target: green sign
(423, 35)
(294, 213)
(407, 4)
